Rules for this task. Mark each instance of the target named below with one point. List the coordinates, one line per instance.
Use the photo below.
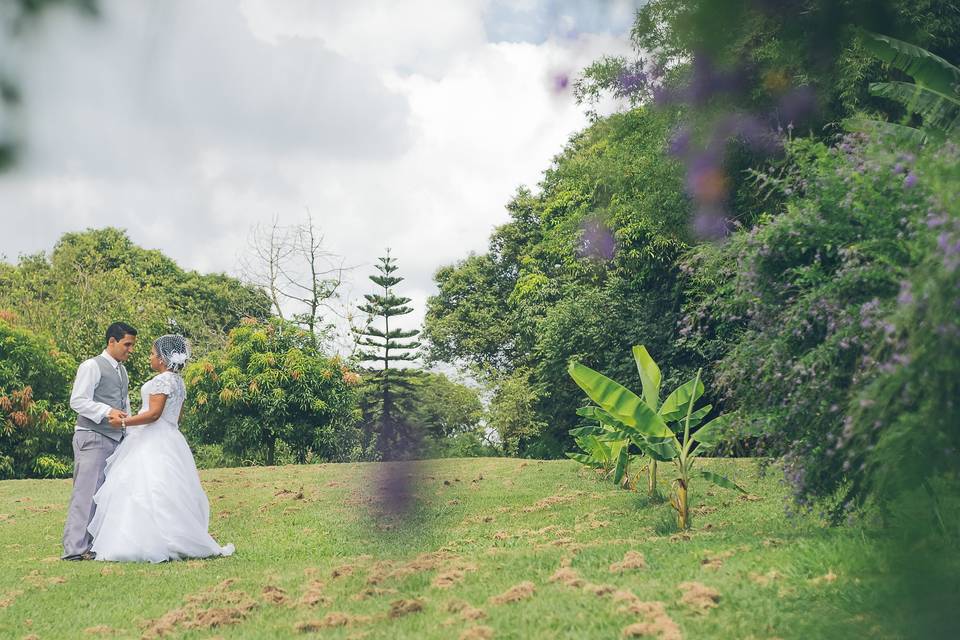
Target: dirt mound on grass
(314, 595)
(477, 633)
(654, 621)
(330, 621)
(516, 593)
(465, 610)
(698, 596)
(567, 576)
(372, 592)
(274, 595)
(217, 606)
(400, 608)
(631, 560)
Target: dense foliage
(69, 297)
(270, 386)
(586, 268)
(34, 390)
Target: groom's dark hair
(118, 330)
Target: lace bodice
(170, 385)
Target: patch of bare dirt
(314, 595)
(599, 590)
(715, 560)
(452, 576)
(698, 596)
(763, 579)
(274, 595)
(749, 497)
(477, 633)
(217, 606)
(7, 599)
(567, 576)
(656, 623)
(465, 610)
(343, 571)
(631, 560)
(516, 593)
(550, 501)
(330, 621)
(100, 630)
(400, 608)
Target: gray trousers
(90, 453)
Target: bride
(151, 506)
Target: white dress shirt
(81, 398)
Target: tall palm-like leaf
(934, 94)
(926, 68)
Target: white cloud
(396, 124)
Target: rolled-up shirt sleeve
(81, 398)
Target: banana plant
(934, 94)
(693, 444)
(627, 419)
(665, 434)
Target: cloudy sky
(398, 123)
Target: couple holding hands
(136, 491)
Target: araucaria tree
(390, 386)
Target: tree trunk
(271, 451)
(652, 478)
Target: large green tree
(586, 268)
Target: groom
(101, 399)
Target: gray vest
(112, 390)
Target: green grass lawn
(313, 561)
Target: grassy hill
(494, 548)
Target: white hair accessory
(174, 350)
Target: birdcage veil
(174, 350)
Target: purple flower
(906, 294)
(910, 180)
(680, 142)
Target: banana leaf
(675, 406)
(721, 481)
(619, 402)
(649, 376)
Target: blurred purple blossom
(596, 240)
(910, 181)
(711, 224)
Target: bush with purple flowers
(808, 309)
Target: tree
(35, 421)
(385, 347)
(62, 295)
(292, 267)
(586, 268)
(443, 408)
(271, 385)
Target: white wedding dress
(151, 507)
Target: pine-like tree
(384, 347)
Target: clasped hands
(117, 417)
